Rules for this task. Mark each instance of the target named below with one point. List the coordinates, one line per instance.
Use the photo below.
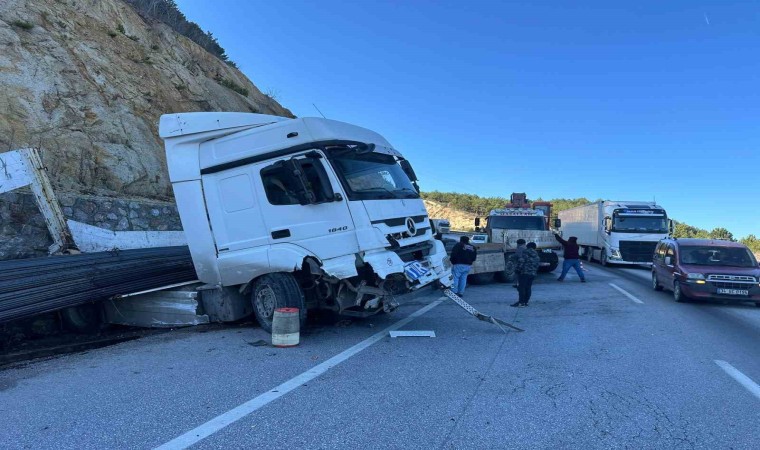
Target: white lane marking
(638, 273)
(624, 292)
(217, 423)
(744, 380)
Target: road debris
(412, 333)
(480, 316)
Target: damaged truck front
(308, 213)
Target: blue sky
(652, 99)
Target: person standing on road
(571, 257)
(514, 257)
(527, 267)
(462, 256)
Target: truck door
(324, 226)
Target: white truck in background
(442, 226)
(308, 213)
(617, 232)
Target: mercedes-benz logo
(411, 226)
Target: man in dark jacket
(462, 256)
(527, 267)
(571, 257)
(512, 260)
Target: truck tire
(589, 254)
(508, 274)
(603, 259)
(276, 290)
(86, 318)
(549, 268)
(481, 278)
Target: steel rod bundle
(38, 285)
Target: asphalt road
(597, 367)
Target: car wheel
(677, 294)
(273, 291)
(655, 284)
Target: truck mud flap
(480, 316)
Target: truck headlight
(614, 253)
(546, 250)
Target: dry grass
(460, 220)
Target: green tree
(683, 230)
(721, 233)
(753, 243)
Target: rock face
(86, 81)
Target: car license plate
(733, 291)
(414, 270)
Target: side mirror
(608, 224)
(305, 189)
(668, 261)
(671, 226)
(406, 166)
(477, 221)
(557, 223)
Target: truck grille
(398, 221)
(731, 281)
(414, 252)
(637, 251)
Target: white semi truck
(617, 232)
(308, 213)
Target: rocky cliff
(86, 80)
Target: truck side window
(281, 187)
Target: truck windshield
(372, 176)
(516, 222)
(717, 256)
(640, 224)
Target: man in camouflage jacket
(526, 268)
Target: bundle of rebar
(38, 285)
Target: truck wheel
(677, 294)
(85, 318)
(276, 290)
(508, 274)
(655, 284)
(549, 268)
(481, 278)
(603, 259)
(589, 254)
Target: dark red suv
(706, 269)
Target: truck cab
(308, 213)
(617, 232)
(522, 220)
